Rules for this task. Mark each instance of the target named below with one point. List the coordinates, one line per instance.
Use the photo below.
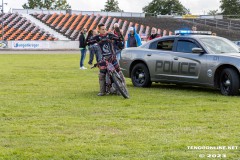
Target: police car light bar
(184, 32)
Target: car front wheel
(229, 82)
(140, 76)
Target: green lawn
(49, 110)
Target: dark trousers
(91, 54)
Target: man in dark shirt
(105, 42)
(132, 41)
(82, 46)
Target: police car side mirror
(197, 50)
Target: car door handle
(149, 55)
(175, 58)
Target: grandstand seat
(51, 18)
(124, 27)
(75, 33)
(111, 25)
(141, 30)
(68, 23)
(95, 22)
(56, 21)
(74, 24)
(108, 22)
(17, 27)
(40, 16)
(45, 17)
(88, 22)
(63, 21)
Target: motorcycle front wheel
(120, 84)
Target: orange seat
(75, 22)
(62, 21)
(57, 19)
(93, 25)
(51, 18)
(88, 21)
(64, 28)
(111, 25)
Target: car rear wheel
(140, 76)
(229, 82)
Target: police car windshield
(220, 45)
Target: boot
(102, 84)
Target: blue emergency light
(189, 32)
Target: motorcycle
(115, 83)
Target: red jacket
(152, 36)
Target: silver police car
(189, 59)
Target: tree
(165, 7)
(62, 5)
(111, 6)
(47, 4)
(230, 7)
(213, 12)
(33, 4)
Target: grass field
(49, 110)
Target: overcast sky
(195, 6)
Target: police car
(189, 58)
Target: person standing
(82, 46)
(105, 41)
(134, 39)
(118, 45)
(154, 34)
(93, 48)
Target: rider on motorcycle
(105, 41)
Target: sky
(195, 6)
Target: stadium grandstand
(65, 25)
(17, 27)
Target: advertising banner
(3, 44)
(189, 16)
(30, 45)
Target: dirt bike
(114, 82)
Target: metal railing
(223, 24)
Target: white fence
(113, 14)
(31, 11)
